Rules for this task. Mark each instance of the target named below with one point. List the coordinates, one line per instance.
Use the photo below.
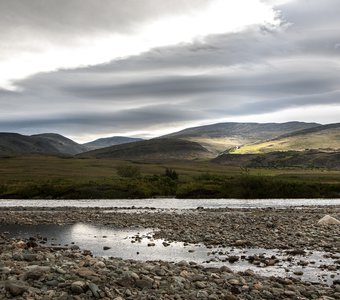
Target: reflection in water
(135, 243)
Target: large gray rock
(16, 287)
(328, 220)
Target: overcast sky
(89, 68)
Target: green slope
(322, 138)
(221, 136)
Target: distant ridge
(47, 143)
(222, 136)
(320, 138)
(110, 141)
(159, 149)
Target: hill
(324, 138)
(110, 141)
(300, 159)
(47, 143)
(160, 149)
(221, 136)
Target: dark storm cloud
(256, 71)
(141, 118)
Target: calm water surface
(123, 243)
(172, 203)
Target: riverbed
(275, 241)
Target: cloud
(261, 73)
(46, 35)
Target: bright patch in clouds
(216, 17)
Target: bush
(172, 174)
(128, 171)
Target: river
(171, 203)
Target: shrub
(171, 174)
(128, 171)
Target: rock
(78, 287)
(145, 283)
(233, 258)
(85, 272)
(183, 263)
(36, 272)
(5, 270)
(200, 285)
(30, 257)
(234, 281)
(100, 264)
(16, 287)
(74, 247)
(241, 243)
(328, 220)
(94, 289)
(230, 297)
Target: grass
(37, 176)
(323, 140)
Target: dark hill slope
(222, 136)
(153, 150)
(48, 143)
(110, 141)
(300, 159)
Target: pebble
(37, 273)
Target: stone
(328, 220)
(16, 287)
(78, 287)
(200, 285)
(85, 272)
(94, 289)
(233, 258)
(100, 265)
(36, 272)
(241, 243)
(144, 283)
(30, 257)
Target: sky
(143, 68)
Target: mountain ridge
(152, 150)
(323, 138)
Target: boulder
(16, 287)
(328, 220)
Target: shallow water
(133, 243)
(172, 203)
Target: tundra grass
(37, 176)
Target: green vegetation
(47, 177)
(325, 138)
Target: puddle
(138, 244)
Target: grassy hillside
(219, 137)
(153, 150)
(48, 143)
(297, 159)
(325, 138)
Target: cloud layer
(262, 73)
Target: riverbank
(265, 228)
(58, 273)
